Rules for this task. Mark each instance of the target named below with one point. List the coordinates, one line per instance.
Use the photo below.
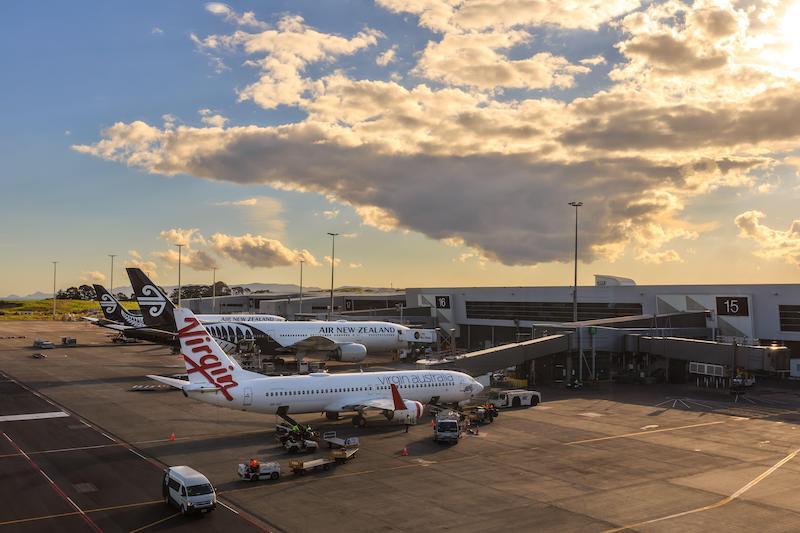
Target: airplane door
(248, 396)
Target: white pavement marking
(33, 416)
(641, 433)
(724, 501)
(228, 507)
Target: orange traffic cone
(404, 452)
(172, 437)
(477, 430)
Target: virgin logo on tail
(153, 300)
(107, 303)
(208, 365)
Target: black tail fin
(114, 311)
(157, 309)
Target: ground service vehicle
(447, 427)
(514, 398)
(43, 344)
(188, 490)
(255, 470)
(482, 414)
(293, 445)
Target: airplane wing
(384, 404)
(311, 344)
(91, 319)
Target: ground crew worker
(253, 465)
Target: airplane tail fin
(113, 310)
(206, 362)
(399, 404)
(157, 309)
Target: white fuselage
(315, 393)
(210, 319)
(377, 337)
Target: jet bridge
(490, 359)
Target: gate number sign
(732, 306)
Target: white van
(188, 490)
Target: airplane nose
(477, 388)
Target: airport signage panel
(442, 302)
(732, 306)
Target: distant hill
(277, 288)
(34, 296)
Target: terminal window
(549, 311)
(789, 317)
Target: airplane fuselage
(315, 393)
(377, 337)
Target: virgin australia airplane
(340, 340)
(217, 379)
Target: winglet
(399, 404)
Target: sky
(442, 139)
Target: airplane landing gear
(359, 421)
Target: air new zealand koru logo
(108, 304)
(153, 300)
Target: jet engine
(409, 415)
(351, 352)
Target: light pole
(214, 290)
(180, 249)
(112, 256)
(54, 289)
(301, 286)
(400, 307)
(576, 205)
(333, 262)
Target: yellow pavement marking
(638, 433)
(151, 524)
(724, 501)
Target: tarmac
(80, 450)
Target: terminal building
(658, 327)
(483, 317)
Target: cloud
(93, 276)
(257, 251)
(247, 202)
(337, 261)
(285, 53)
(189, 256)
(215, 121)
(417, 191)
(135, 260)
(247, 18)
(593, 61)
(353, 265)
(448, 15)
(330, 214)
(387, 57)
(182, 236)
(473, 59)
(376, 217)
(772, 243)
(157, 31)
(702, 96)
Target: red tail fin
(399, 404)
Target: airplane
(217, 379)
(119, 319)
(115, 312)
(340, 340)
